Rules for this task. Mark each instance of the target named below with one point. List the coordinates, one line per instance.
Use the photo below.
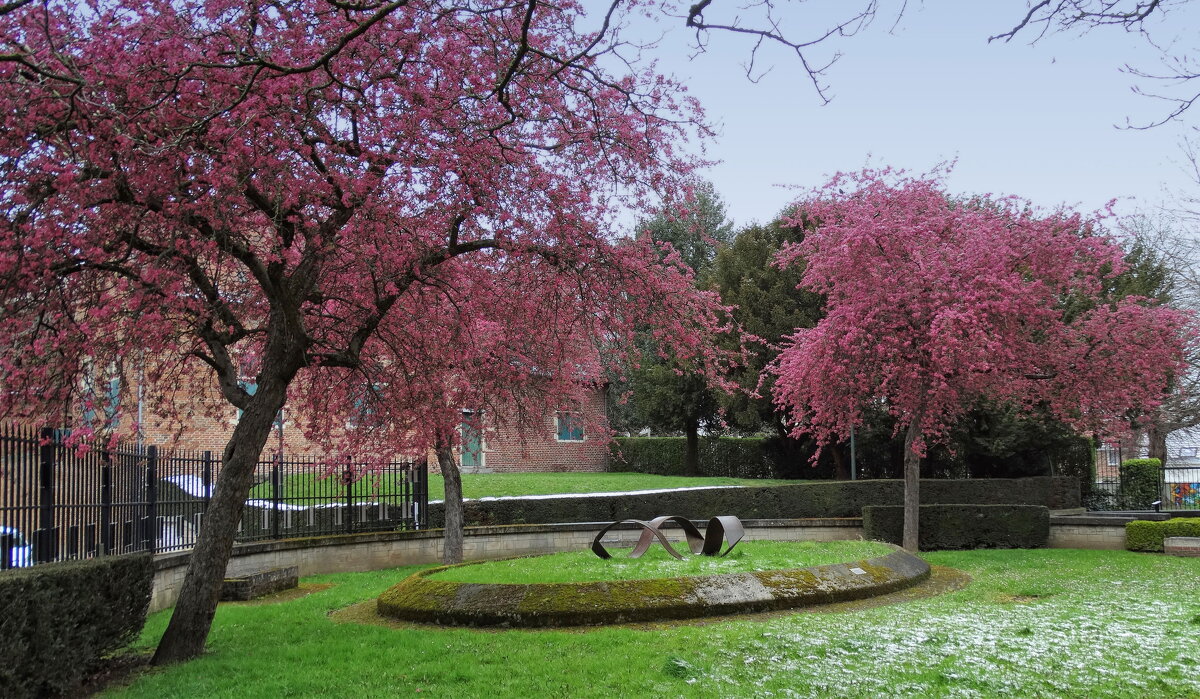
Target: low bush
(1139, 481)
(959, 526)
(801, 500)
(1148, 536)
(61, 619)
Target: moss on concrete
(421, 599)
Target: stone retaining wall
(1084, 532)
(377, 550)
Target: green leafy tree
(768, 305)
(662, 394)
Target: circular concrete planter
(420, 599)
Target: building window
(570, 427)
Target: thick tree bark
(190, 622)
(841, 463)
(452, 540)
(912, 487)
(691, 456)
(1158, 444)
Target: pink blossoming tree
(395, 211)
(934, 302)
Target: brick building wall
(503, 449)
(506, 450)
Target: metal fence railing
(1180, 486)
(58, 502)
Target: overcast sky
(1041, 122)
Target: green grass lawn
(500, 484)
(584, 566)
(1044, 623)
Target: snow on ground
(595, 495)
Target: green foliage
(666, 401)
(61, 619)
(990, 441)
(768, 306)
(956, 526)
(719, 456)
(1139, 481)
(1148, 536)
(1146, 274)
(664, 393)
(745, 457)
(1141, 535)
(800, 500)
(697, 231)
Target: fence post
(421, 493)
(349, 478)
(206, 477)
(45, 539)
(150, 523)
(276, 493)
(106, 503)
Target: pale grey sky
(1041, 122)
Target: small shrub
(61, 619)
(1143, 536)
(1148, 536)
(963, 526)
(1139, 481)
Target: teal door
(472, 443)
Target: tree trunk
(1158, 443)
(841, 464)
(912, 487)
(691, 456)
(452, 541)
(190, 622)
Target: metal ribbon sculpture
(719, 529)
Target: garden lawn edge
(419, 599)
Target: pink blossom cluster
(934, 302)
(384, 214)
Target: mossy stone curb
(417, 598)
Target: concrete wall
(375, 551)
(1084, 532)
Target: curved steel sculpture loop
(719, 529)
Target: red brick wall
(503, 450)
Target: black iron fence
(58, 502)
(1180, 483)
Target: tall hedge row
(61, 619)
(1139, 482)
(663, 456)
(793, 501)
(963, 526)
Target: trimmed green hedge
(663, 456)
(1141, 535)
(61, 619)
(963, 526)
(1139, 481)
(819, 499)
